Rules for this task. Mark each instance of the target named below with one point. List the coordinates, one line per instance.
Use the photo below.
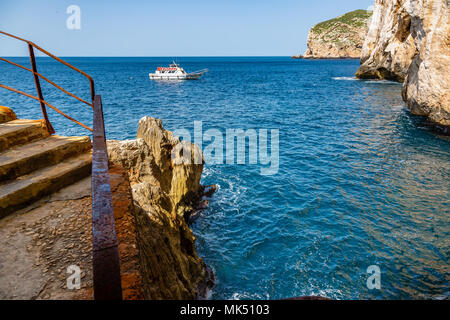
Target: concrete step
(19, 132)
(25, 159)
(26, 189)
(6, 114)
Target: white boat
(175, 72)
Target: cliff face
(427, 86)
(389, 47)
(165, 189)
(341, 37)
(409, 41)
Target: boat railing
(199, 71)
(106, 263)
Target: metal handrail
(37, 76)
(105, 260)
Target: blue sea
(361, 182)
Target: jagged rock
(341, 37)
(408, 41)
(135, 156)
(165, 178)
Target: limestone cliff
(389, 47)
(341, 37)
(165, 181)
(409, 41)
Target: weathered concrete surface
(18, 132)
(124, 215)
(27, 158)
(165, 191)
(6, 114)
(31, 169)
(41, 241)
(24, 190)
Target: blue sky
(168, 28)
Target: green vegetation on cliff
(341, 37)
(354, 19)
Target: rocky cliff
(164, 174)
(342, 37)
(409, 41)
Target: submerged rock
(339, 38)
(165, 181)
(408, 41)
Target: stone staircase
(34, 164)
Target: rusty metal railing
(37, 76)
(105, 260)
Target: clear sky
(169, 27)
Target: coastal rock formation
(341, 37)
(427, 86)
(165, 174)
(389, 47)
(409, 41)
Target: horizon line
(172, 57)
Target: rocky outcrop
(339, 38)
(427, 86)
(6, 114)
(165, 174)
(409, 41)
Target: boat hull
(175, 77)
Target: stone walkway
(40, 242)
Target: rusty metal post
(106, 263)
(39, 90)
(91, 82)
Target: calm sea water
(361, 182)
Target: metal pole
(39, 91)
